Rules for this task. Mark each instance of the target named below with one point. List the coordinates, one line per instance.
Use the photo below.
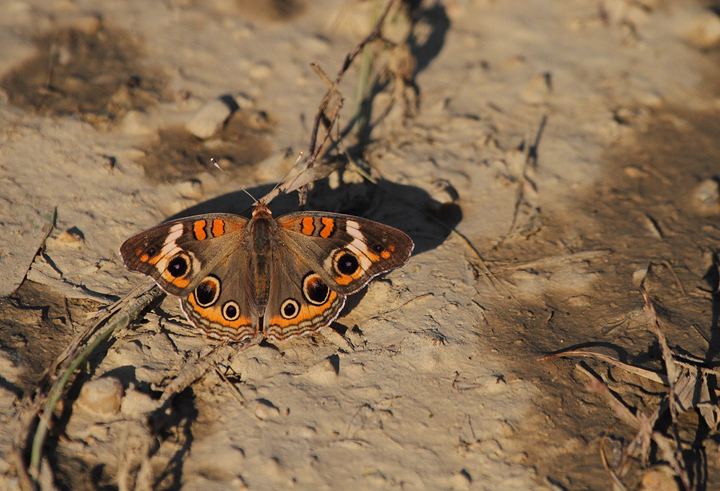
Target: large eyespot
(231, 311)
(178, 266)
(289, 309)
(346, 263)
(207, 292)
(315, 290)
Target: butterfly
(238, 278)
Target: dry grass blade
(135, 302)
(639, 448)
(682, 382)
(681, 397)
(600, 387)
(666, 352)
(673, 457)
(648, 374)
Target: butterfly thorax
(262, 228)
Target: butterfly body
(238, 278)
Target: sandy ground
(573, 143)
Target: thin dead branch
(321, 116)
(672, 374)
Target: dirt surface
(573, 145)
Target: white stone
(209, 119)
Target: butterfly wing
(204, 261)
(323, 258)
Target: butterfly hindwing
(299, 301)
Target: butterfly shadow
(408, 208)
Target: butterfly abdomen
(263, 233)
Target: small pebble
(136, 404)
(102, 396)
(538, 89)
(704, 31)
(192, 189)
(72, 238)
(706, 198)
(209, 119)
(640, 274)
(136, 123)
(244, 102)
(659, 478)
(260, 71)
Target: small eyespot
(231, 311)
(178, 266)
(346, 263)
(207, 292)
(315, 290)
(378, 248)
(289, 309)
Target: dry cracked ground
(552, 160)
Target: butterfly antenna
(215, 163)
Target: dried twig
(204, 363)
(321, 116)
(672, 375)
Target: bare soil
(567, 147)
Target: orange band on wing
(218, 228)
(213, 315)
(328, 227)
(309, 316)
(178, 282)
(199, 229)
(343, 279)
(308, 226)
